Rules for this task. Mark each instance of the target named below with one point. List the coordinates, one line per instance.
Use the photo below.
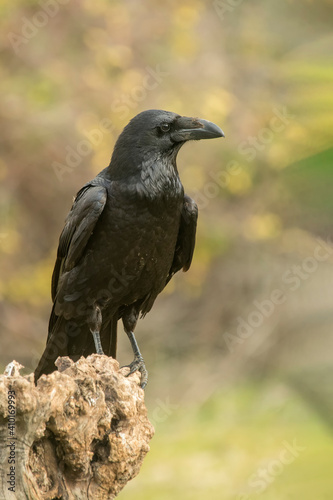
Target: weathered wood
(81, 433)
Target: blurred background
(239, 349)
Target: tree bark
(81, 433)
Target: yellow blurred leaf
(263, 227)
(240, 183)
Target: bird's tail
(109, 333)
(74, 339)
(57, 345)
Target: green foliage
(307, 187)
(214, 450)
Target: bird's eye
(165, 127)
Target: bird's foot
(138, 364)
(97, 341)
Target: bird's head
(156, 132)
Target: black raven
(128, 232)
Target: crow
(128, 232)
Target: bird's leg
(130, 318)
(95, 326)
(138, 362)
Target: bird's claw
(138, 364)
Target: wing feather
(186, 238)
(80, 223)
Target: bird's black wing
(186, 238)
(79, 226)
(80, 223)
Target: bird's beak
(193, 129)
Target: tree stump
(81, 433)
